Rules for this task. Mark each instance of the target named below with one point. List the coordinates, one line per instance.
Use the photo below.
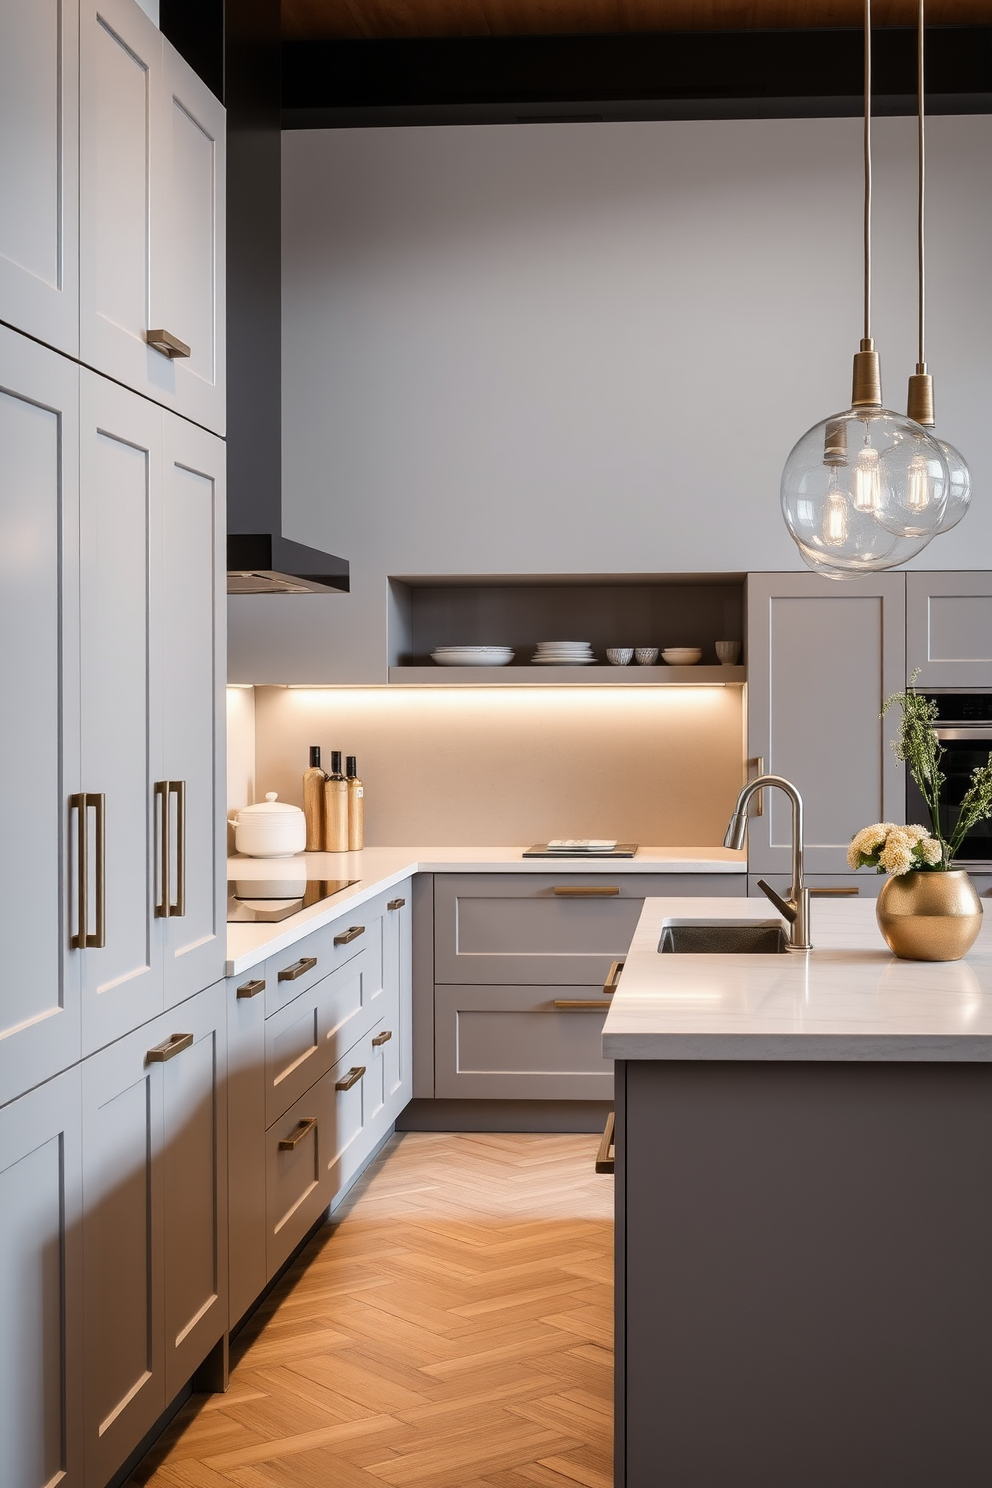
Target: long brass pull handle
(169, 345)
(162, 907)
(252, 989)
(348, 935)
(586, 891)
(351, 1078)
(382, 1038)
(308, 1124)
(396, 904)
(177, 788)
(169, 1048)
(840, 891)
(81, 803)
(757, 807)
(290, 973)
(580, 1005)
(606, 1156)
(612, 977)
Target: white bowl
(619, 655)
(490, 656)
(682, 655)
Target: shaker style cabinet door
(949, 628)
(41, 1287)
(39, 660)
(189, 619)
(152, 151)
(39, 170)
(397, 1014)
(120, 483)
(822, 658)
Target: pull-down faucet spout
(795, 909)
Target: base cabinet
(155, 1220)
(41, 1287)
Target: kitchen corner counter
(379, 868)
(847, 999)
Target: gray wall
(590, 347)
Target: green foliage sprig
(922, 751)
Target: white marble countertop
(378, 868)
(847, 999)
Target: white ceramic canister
(272, 829)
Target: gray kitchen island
(804, 1210)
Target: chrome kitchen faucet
(795, 909)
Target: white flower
(929, 850)
(866, 842)
(897, 855)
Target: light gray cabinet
(822, 658)
(949, 629)
(397, 986)
(41, 1292)
(155, 1220)
(151, 148)
(520, 962)
(245, 996)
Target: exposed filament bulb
(867, 480)
(835, 516)
(918, 492)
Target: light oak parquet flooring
(450, 1328)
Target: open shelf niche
(606, 610)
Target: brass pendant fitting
(867, 390)
(919, 404)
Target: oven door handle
(980, 733)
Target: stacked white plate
(472, 655)
(563, 653)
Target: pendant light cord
(867, 149)
(922, 182)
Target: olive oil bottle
(313, 801)
(335, 807)
(356, 806)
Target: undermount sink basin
(723, 937)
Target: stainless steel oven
(964, 728)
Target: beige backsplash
(455, 766)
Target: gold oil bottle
(313, 801)
(356, 806)
(335, 807)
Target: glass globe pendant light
(920, 404)
(865, 489)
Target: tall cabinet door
(949, 628)
(120, 479)
(397, 981)
(188, 253)
(189, 619)
(121, 104)
(39, 170)
(39, 437)
(41, 1287)
(822, 658)
(123, 1258)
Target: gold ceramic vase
(929, 916)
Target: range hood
(267, 563)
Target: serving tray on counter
(541, 850)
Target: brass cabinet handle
(382, 1038)
(169, 345)
(757, 807)
(252, 989)
(606, 1156)
(613, 977)
(580, 1005)
(177, 788)
(347, 935)
(396, 904)
(586, 891)
(351, 1078)
(290, 973)
(81, 802)
(832, 891)
(308, 1124)
(169, 1048)
(165, 849)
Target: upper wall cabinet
(151, 240)
(949, 628)
(39, 222)
(822, 658)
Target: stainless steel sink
(723, 937)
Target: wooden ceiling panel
(378, 19)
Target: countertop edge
(801, 1048)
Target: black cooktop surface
(265, 900)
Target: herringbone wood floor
(452, 1328)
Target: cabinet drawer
(296, 1190)
(361, 1115)
(515, 929)
(314, 1031)
(864, 885)
(512, 1043)
(287, 973)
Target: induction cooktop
(265, 900)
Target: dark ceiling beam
(673, 75)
